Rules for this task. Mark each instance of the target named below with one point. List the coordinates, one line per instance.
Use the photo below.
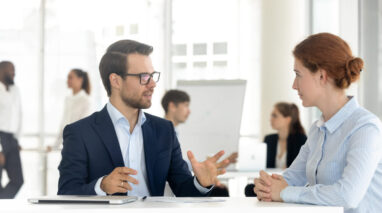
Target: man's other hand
(2, 159)
(118, 181)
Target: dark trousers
(12, 166)
(219, 191)
(248, 191)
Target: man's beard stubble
(135, 103)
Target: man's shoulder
(156, 120)
(14, 89)
(86, 121)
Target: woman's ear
(81, 81)
(323, 76)
(289, 119)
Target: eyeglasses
(144, 78)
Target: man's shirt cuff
(200, 188)
(97, 187)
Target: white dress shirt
(280, 161)
(133, 154)
(10, 110)
(76, 107)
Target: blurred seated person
(176, 104)
(284, 146)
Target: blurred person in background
(283, 146)
(176, 104)
(77, 105)
(10, 126)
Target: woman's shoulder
(363, 126)
(298, 135)
(361, 118)
(299, 138)
(271, 138)
(83, 96)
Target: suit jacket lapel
(105, 129)
(149, 147)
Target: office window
(200, 65)
(220, 48)
(200, 49)
(220, 64)
(134, 29)
(179, 66)
(208, 35)
(179, 50)
(222, 42)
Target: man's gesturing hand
(207, 171)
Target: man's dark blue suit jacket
(91, 150)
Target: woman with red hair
(341, 162)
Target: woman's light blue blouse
(340, 163)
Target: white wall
(283, 26)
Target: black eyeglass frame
(140, 75)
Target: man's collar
(116, 115)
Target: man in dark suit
(122, 150)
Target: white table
(237, 180)
(229, 205)
(250, 174)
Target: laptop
(252, 156)
(74, 199)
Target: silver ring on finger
(121, 183)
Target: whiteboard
(214, 123)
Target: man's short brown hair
(115, 59)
